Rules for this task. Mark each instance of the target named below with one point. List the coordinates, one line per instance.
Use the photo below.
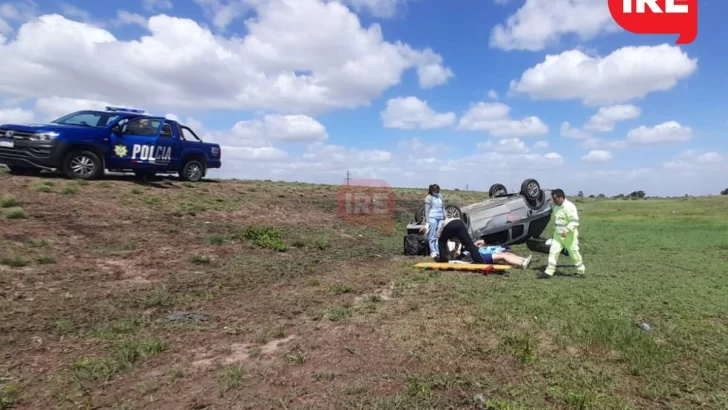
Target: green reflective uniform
(567, 220)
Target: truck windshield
(97, 119)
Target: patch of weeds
(128, 352)
(254, 352)
(4, 171)
(45, 260)
(14, 262)
(524, 348)
(43, 186)
(298, 243)
(322, 244)
(123, 326)
(188, 185)
(339, 289)
(199, 260)
(296, 357)
(175, 376)
(82, 182)
(339, 314)
(137, 191)
(158, 297)
(314, 283)
(374, 298)
(577, 399)
(8, 201)
(324, 377)
(96, 368)
(231, 376)
(71, 189)
(64, 327)
(38, 243)
(9, 393)
(356, 391)
(15, 213)
(266, 237)
(104, 185)
(152, 200)
(217, 240)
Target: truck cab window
(142, 126)
(166, 131)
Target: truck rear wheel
(192, 171)
(82, 164)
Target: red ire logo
(658, 17)
(367, 203)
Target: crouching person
(455, 230)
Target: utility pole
(466, 187)
(348, 177)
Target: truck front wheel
(82, 164)
(192, 171)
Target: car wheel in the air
(497, 190)
(192, 171)
(536, 203)
(82, 164)
(531, 189)
(453, 211)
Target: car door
(166, 147)
(134, 144)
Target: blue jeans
(432, 234)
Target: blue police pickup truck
(83, 144)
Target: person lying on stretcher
(492, 255)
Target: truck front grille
(18, 135)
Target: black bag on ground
(539, 245)
(416, 245)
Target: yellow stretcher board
(476, 267)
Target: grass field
(291, 308)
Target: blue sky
(307, 86)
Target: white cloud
(377, 8)
(505, 145)
(124, 18)
(74, 12)
(281, 128)
(606, 118)
(417, 146)
(326, 61)
(412, 113)
(541, 23)
(625, 74)
(599, 144)
(254, 153)
(154, 5)
(492, 95)
(669, 131)
(16, 116)
(597, 156)
(570, 132)
(541, 145)
(13, 12)
(494, 118)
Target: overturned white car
(502, 219)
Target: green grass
(8, 201)
(15, 213)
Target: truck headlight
(44, 136)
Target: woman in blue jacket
(434, 215)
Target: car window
(88, 119)
(166, 131)
(187, 134)
(142, 126)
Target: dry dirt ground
(254, 295)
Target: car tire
(538, 202)
(192, 171)
(453, 211)
(531, 189)
(497, 190)
(82, 164)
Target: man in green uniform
(566, 235)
